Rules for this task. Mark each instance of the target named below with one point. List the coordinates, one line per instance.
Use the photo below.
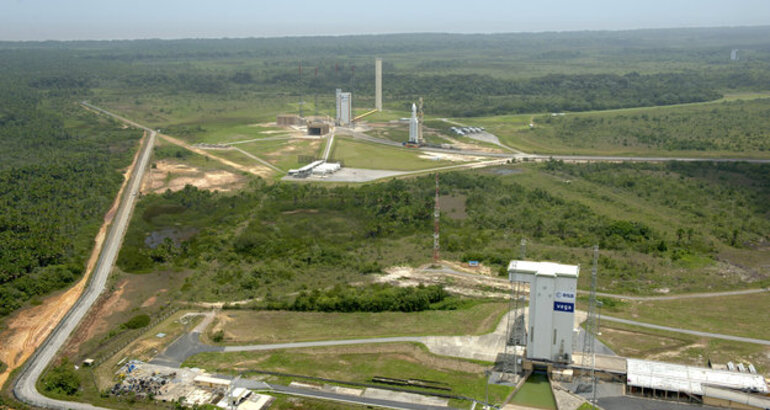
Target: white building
(344, 108)
(414, 127)
(552, 291)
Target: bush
(137, 322)
(372, 298)
(218, 336)
(62, 379)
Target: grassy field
(358, 154)
(652, 344)
(285, 153)
(740, 315)
(360, 364)
(245, 327)
(224, 132)
(734, 127)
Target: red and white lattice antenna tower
(436, 214)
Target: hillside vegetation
(659, 226)
(59, 174)
(730, 128)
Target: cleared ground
(250, 327)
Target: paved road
(25, 389)
(687, 331)
(328, 149)
(607, 158)
(681, 296)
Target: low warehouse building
(317, 128)
(681, 382)
(211, 382)
(287, 120)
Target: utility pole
(436, 216)
(315, 96)
(299, 83)
(589, 350)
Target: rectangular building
(553, 288)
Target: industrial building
(306, 170)
(326, 168)
(288, 120)
(551, 313)
(344, 107)
(317, 128)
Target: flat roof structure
(552, 297)
(544, 268)
(689, 379)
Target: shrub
(137, 322)
(62, 379)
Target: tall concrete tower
(552, 291)
(414, 127)
(378, 84)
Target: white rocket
(414, 132)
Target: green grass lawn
(730, 127)
(285, 153)
(740, 315)
(653, 344)
(360, 364)
(245, 326)
(358, 154)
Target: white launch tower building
(414, 127)
(552, 291)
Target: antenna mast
(436, 214)
(588, 361)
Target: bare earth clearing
(170, 175)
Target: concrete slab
(483, 347)
(348, 175)
(405, 397)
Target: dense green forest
(270, 240)
(58, 176)
(459, 75)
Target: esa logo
(565, 295)
(563, 307)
